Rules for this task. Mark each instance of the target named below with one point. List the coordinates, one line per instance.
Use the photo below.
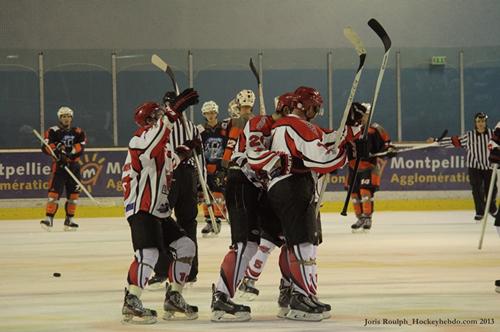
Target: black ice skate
(302, 308)
(478, 217)
(176, 307)
(208, 230)
(284, 299)
(497, 285)
(247, 289)
(157, 282)
(47, 224)
(368, 224)
(358, 225)
(134, 313)
(225, 310)
(70, 225)
(327, 309)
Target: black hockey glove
(187, 98)
(362, 148)
(495, 156)
(220, 178)
(391, 151)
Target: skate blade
(157, 286)
(176, 315)
(282, 312)
(135, 320)
(356, 231)
(70, 229)
(294, 314)
(366, 230)
(222, 316)
(209, 235)
(326, 314)
(246, 295)
(46, 228)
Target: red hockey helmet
(307, 97)
(288, 99)
(145, 111)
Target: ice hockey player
(369, 171)
(265, 163)
(68, 143)
(293, 190)
(146, 178)
(242, 204)
(494, 148)
(214, 136)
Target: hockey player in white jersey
(145, 179)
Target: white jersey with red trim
(148, 166)
(305, 142)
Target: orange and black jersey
(378, 141)
(214, 143)
(73, 139)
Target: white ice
(411, 265)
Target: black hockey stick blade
(443, 135)
(380, 31)
(254, 71)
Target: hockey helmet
(245, 98)
(480, 115)
(209, 106)
(307, 97)
(285, 100)
(169, 97)
(64, 110)
(233, 109)
(145, 111)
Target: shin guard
(142, 266)
(184, 251)
(301, 262)
(258, 261)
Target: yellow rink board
(117, 211)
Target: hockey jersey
(148, 169)
(306, 143)
(214, 142)
(378, 141)
(73, 139)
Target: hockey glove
(187, 98)
(183, 152)
(495, 156)
(362, 150)
(391, 151)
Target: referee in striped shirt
(475, 142)
(183, 194)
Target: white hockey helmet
(64, 111)
(233, 109)
(368, 106)
(245, 98)
(209, 106)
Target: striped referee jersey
(476, 145)
(179, 135)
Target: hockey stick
(361, 51)
(379, 30)
(218, 206)
(158, 62)
(262, 106)
(413, 148)
(37, 134)
(487, 206)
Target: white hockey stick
(158, 62)
(487, 206)
(361, 51)
(413, 148)
(80, 185)
(379, 30)
(262, 106)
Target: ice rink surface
(412, 265)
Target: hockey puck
(56, 274)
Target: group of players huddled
(263, 175)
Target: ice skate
(176, 307)
(134, 313)
(157, 283)
(247, 290)
(207, 231)
(358, 225)
(367, 225)
(302, 308)
(497, 285)
(284, 299)
(225, 310)
(47, 224)
(70, 225)
(327, 309)
(478, 217)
